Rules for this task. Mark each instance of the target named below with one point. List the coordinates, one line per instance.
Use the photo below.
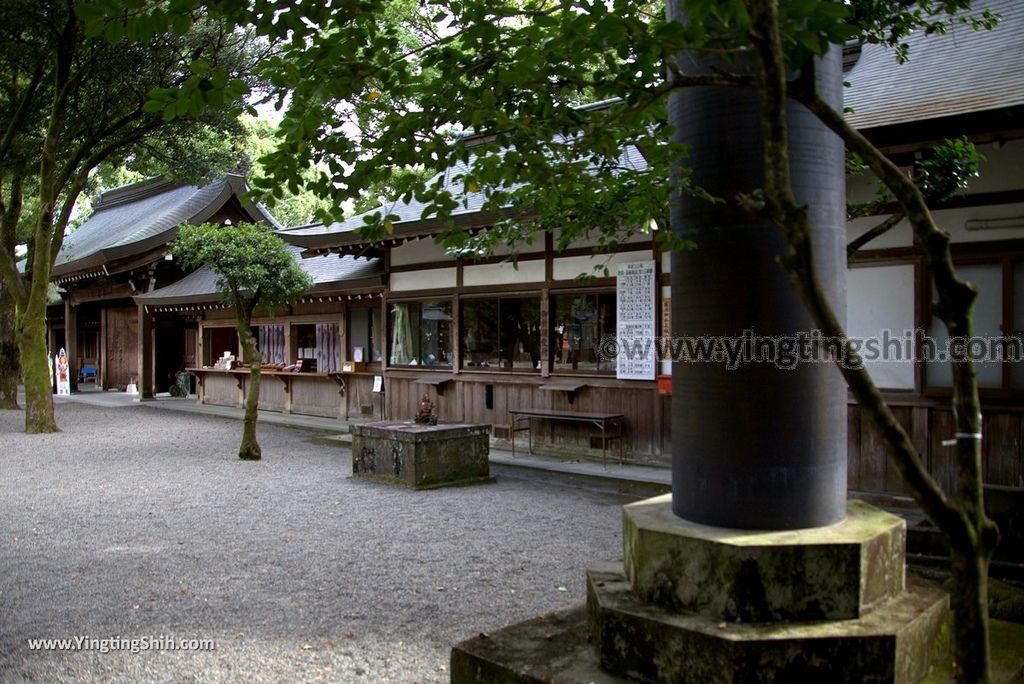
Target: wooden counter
(329, 395)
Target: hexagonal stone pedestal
(421, 456)
(698, 604)
(826, 573)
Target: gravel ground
(136, 522)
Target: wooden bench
(601, 420)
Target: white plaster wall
(424, 251)
(422, 280)
(521, 247)
(1002, 169)
(953, 221)
(504, 273)
(567, 268)
(633, 238)
(881, 298)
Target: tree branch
(794, 222)
(955, 301)
(82, 177)
(11, 214)
(879, 230)
(21, 112)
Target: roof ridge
(135, 191)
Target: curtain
(401, 335)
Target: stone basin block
(837, 572)
(421, 456)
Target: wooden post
(545, 333)
(102, 379)
(71, 341)
(145, 379)
(289, 358)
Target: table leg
(512, 429)
(622, 444)
(529, 433)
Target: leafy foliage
(938, 173)
(254, 267)
(399, 85)
(73, 97)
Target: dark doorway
(169, 350)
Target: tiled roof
(961, 72)
(329, 273)
(410, 219)
(142, 216)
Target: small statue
(425, 414)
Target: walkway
(628, 472)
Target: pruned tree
(255, 270)
(73, 98)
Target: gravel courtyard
(140, 522)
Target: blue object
(88, 371)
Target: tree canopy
(73, 98)
(255, 270)
(254, 267)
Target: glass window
(578, 322)
(1016, 341)
(421, 333)
(501, 333)
(364, 335)
(988, 316)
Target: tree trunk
(969, 600)
(250, 448)
(31, 334)
(10, 368)
(973, 537)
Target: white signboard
(63, 373)
(637, 321)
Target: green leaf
(180, 24)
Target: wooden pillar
(289, 343)
(201, 344)
(343, 347)
(71, 342)
(102, 379)
(385, 349)
(545, 332)
(145, 380)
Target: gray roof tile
(328, 273)
(410, 214)
(962, 72)
(141, 216)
